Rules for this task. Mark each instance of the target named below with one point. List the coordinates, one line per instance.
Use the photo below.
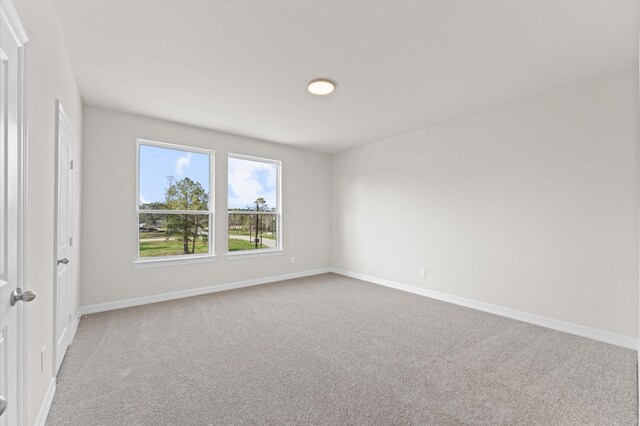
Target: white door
(12, 40)
(64, 227)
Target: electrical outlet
(293, 259)
(44, 348)
(423, 272)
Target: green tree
(186, 194)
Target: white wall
(109, 205)
(49, 77)
(531, 205)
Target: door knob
(64, 261)
(3, 405)
(18, 296)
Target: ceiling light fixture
(321, 86)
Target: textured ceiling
(242, 66)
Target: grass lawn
(152, 234)
(159, 246)
(168, 248)
(236, 244)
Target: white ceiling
(242, 66)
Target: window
(254, 217)
(175, 205)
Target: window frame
(265, 251)
(184, 258)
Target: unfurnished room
(242, 212)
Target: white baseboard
(567, 327)
(46, 404)
(73, 328)
(127, 303)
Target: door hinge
(71, 164)
(70, 241)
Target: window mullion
(175, 211)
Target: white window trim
(243, 254)
(153, 262)
(144, 262)
(234, 255)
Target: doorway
(13, 41)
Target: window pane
(252, 231)
(172, 179)
(173, 234)
(252, 184)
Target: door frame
(61, 119)
(8, 11)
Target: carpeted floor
(337, 351)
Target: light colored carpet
(337, 351)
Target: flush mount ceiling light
(321, 86)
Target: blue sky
(158, 163)
(248, 180)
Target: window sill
(170, 261)
(254, 253)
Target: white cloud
(250, 180)
(182, 162)
(143, 200)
